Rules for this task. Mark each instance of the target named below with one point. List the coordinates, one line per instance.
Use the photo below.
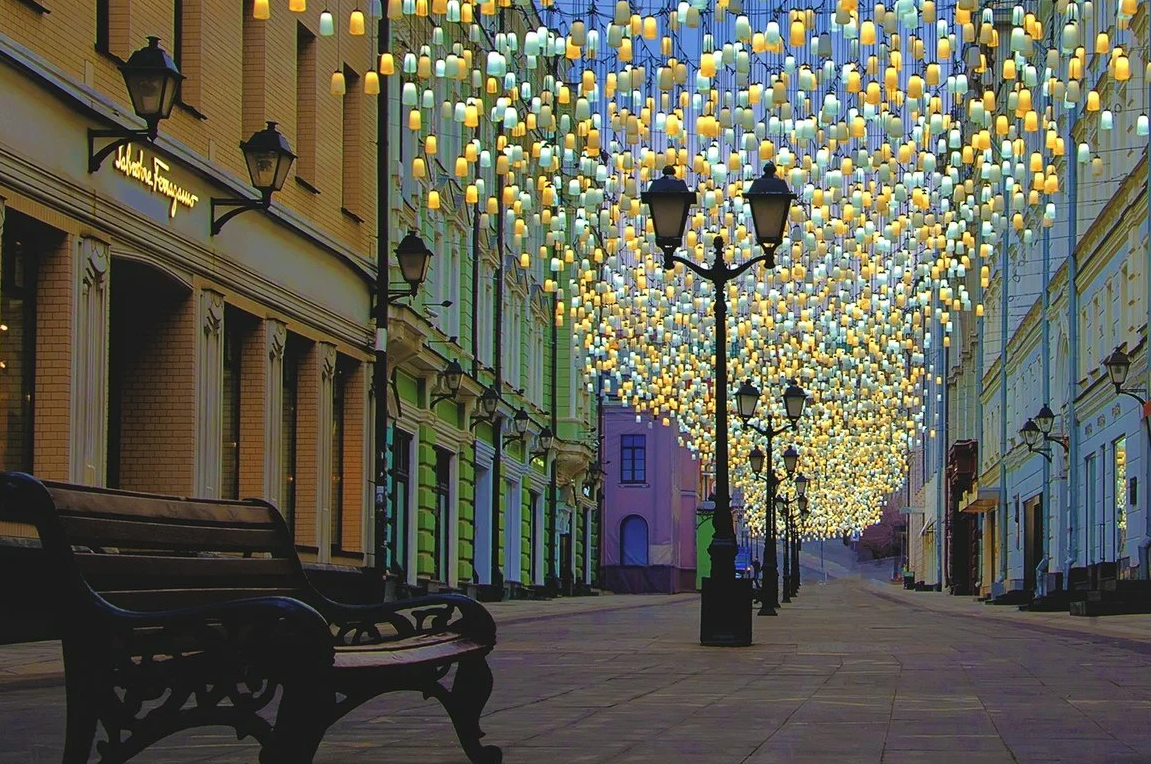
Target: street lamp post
(794, 399)
(801, 483)
(725, 617)
(781, 509)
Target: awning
(980, 500)
(928, 528)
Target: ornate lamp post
(801, 483)
(725, 608)
(794, 399)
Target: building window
(17, 348)
(352, 142)
(398, 521)
(633, 459)
(254, 58)
(1119, 453)
(289, 425)
(112, 25)
(305, 105)
(187, 18)
(442, 515)
(230, 405)
(633, 541)
(336, 516)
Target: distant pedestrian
(756, 566)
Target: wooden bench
(180, 613)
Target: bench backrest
(148, 552)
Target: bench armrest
(279, 631)
(393, 621)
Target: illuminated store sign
(153, 174)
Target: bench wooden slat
(69, 501)
(151, 600)
(142, 571)
(393, 654)
(137, 534)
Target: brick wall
(355, 420)
(253, 408)
(307, 431)
(156, 332)
(53, 390)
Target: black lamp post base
(770, 599)
(725, 612)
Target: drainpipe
(1145, 542)
(941, 434)
(1045, 562)
(379, 526)
(553, 474)
(1004, 308)
(1072, 422)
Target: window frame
(633, 449)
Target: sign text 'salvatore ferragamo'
(153, 175)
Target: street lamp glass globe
(453, 376)
(790, 459)
(1045, 419)
(770, 200)
(545, 438)
(801, 502)
(746, 399)
(801, 484)
(269, 157)
(1118, 364)
(153, 80)
(414, 258)
(794, 399)
(669, 201)
(489, 401)
(781, 505)
(1030, 432)
(756, 458)
(520, 420)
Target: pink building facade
(651, 492)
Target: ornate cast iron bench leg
(306, 710)
(465, 702)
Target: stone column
(209, 390)
(275, 340)
(323, 446)
(89, 409)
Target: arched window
(633, 540)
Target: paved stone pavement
(849, 672)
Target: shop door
(1032, 539)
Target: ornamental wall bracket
(213, 312)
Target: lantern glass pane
(769, 213)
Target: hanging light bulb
(261, 10)
(371, 83)
(356, 22)
(297, 6)
(327, 23)
(376, 9)
(339, 86)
